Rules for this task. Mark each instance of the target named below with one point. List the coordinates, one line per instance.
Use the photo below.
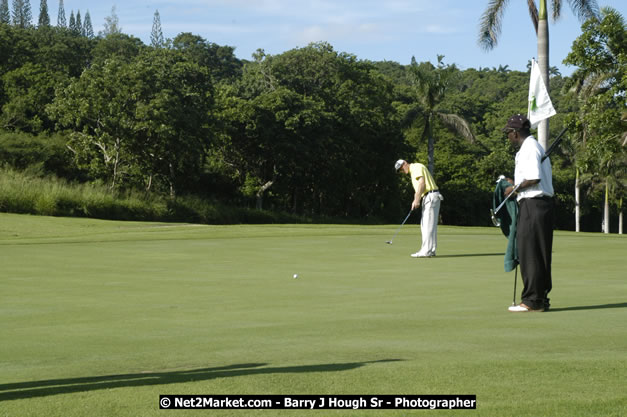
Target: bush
(37, 154)
(24, 192)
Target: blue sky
(391, 30)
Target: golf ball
(295, 276)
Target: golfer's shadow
(46, 388)
(470, 255)
(597, 307)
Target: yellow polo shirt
(417, 170)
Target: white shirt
(529, 166)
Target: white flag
(540, 105)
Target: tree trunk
(606, 212)
(260, 192)
(431, 147)
(171, 181)
(620, 216)
(577, 203)
(116, 163)
(543, 63)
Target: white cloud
(276, 8)
(333, 33)
(439, 29)
(404, 6)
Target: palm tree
(430, 85)
(604, 165)
(607, 171)
(599, 86)
(585, 86)
(490, 29)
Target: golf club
(515, 279)
(495, 220)
(493, 212)
(389, 242)
(557, 140)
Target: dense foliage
(311, 132)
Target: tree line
(311, 131)
(21, 16)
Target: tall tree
(156, 36)
(28, 89)
(44, 18)
(298, 122)
(118, 45)
(79, 24)
(5, 14)
(601, 55)
(61, 21)
(112, 24)
(72, 25)
(219, 59)
(430, 85)
(490, 29)
(139, 121)
(22, 15)
(88, 29)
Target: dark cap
(516, 122)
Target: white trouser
(429, 223)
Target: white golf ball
(295, 276)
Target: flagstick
(543, 64)
(543, 133)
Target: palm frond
(556, 6)
(595, 83)
(533, 14)
(428, 84)
(584, 9)
(412, 114)
(490, 24)
(457, 125)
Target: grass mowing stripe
(101, 317)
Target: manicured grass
(98, 318)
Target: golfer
(426, 195)
(534, 229)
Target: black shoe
(547, 304)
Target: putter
(389, 242)
(515, 279)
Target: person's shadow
(33, 389)
(597, 307)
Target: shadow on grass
(32, 389)
(470, 255)
(597, 307)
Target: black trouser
(534, 238)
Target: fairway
(99, 318)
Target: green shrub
(41, 154)
(29, 193)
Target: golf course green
(100, 318)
